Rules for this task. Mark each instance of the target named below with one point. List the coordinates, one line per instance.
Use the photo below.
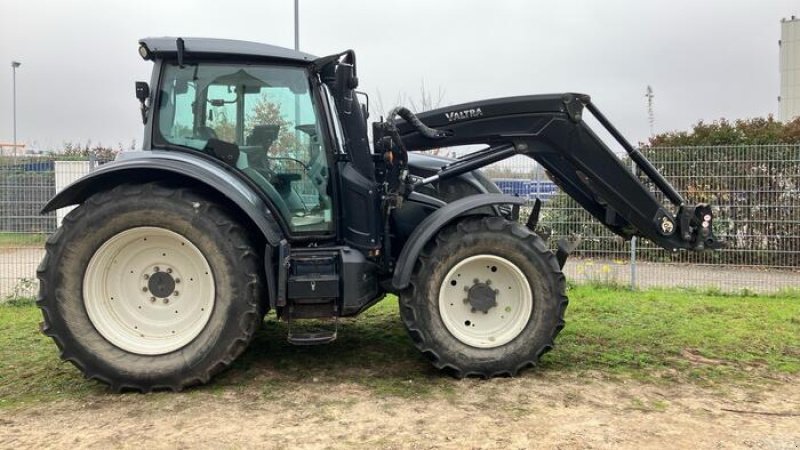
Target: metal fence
(755, 191)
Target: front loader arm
(550, 129)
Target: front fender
(428, 228)
(153, 165)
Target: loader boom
(550, 129)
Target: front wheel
(486, 298)
(150, 287)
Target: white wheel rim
(502, 322)
(126, 291)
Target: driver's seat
(263, 183)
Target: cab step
(317, 332)
(312, 337)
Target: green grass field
(9, 240)
(659, 336)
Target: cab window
(269, 114)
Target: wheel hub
(481, 297)
(161, 284)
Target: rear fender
(429, 227)
(146, 166)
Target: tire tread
(409, 299)
(249, 265)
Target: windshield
(268, 113)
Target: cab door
(268, 113)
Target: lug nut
(177, 280)
(169, 270)
(156, 269)
(144, 289)
(146, 276)
(152, 299)
(176, 293)
(166, 300)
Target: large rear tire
(487, 298)
(150, 287)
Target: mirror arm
(366, 103)
(145, 109)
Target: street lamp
(14, 65)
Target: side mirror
(142, 91)
(142, 94)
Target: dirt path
(533, 411)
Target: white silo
(790, 69)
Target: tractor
(259, 188)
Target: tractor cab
(263, 117)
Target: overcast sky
(704, 59)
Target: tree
(427, 100)
(266, 112)
(101, 152)
(754, 131)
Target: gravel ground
(18, 274)
(724, 278)
(541, 411)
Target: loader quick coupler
(703, 222)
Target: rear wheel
(486, 298)
(148, 287)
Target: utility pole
(651, 118)
(297, 49)
(14, 65)
(297, 25)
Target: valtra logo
(462, 115)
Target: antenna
(651, 118)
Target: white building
(790, 69)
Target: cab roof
(164, 47)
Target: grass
(660, 336)
(9, 240)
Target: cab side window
(268, 112)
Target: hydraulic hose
(410, 117)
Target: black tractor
(257, 189)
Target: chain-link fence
(755, 191)
(26, 184)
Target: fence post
(633, 243)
